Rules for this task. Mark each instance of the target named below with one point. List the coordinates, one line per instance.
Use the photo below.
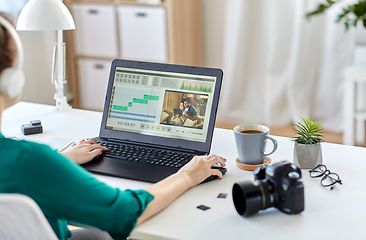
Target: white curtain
(278, 66)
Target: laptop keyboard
(146, 154)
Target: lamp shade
(43, 15)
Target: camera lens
(250, 197)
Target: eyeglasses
(329, 179)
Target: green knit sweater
(65, 191)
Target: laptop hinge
(179, 148)
(196, 152)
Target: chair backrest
(21, 218)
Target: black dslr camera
(277, 185)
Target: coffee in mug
(251, 131)
(251, 142)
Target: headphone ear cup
(11, 82)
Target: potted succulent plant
(307, 151)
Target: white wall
(38, 51)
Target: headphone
(12, 79)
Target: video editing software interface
(164, 104)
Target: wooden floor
(287, 131)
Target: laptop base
(131, 170)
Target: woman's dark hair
(7, 46)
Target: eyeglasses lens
(330, 179)
(318, 171)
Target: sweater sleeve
(64, 190)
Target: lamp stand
(59, 56)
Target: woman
(177, 119)
(67, 193)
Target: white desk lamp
(43, 15)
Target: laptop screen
(161, 103)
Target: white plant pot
(307, 156)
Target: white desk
(337, 214)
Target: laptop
(138, 128)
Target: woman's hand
(168, 189)
(199, 168)
(84, 151)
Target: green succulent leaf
(309, 132)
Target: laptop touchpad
(107, 164)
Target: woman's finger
(95, 152)
(216, 159)
(216, 172)
(100, 146)
(220, 161)
(210, 156)
(104, 148)
(90, 141)
(91, 147)
(213, 156)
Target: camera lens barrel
(277, 185)
(247, 198)
(250, 197)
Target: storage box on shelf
(106, 29)
(143, 33)
(95, 33)
(93, 79)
